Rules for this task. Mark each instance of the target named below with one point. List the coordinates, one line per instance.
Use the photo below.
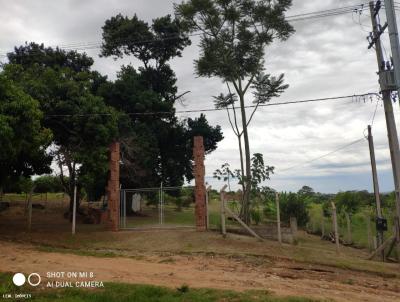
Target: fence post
(348, 223)
(278, 217)
(323, 225)
(30, 210)
(222, 196)
(207, 212)
(293, 226)
(335, 226)
(74, 213)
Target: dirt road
(281, 277)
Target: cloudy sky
(324, 58)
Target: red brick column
(200, 189)
(113, 187)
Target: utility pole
(387, 83)
(376, 189)
(394, 38)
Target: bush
(48, 184)
(256, 215)
(293, 205)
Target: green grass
(79, 252)
(185, 217)
(140, 293)
(36, 197)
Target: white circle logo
(38, 279)
(19, 279)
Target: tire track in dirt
(283, 278)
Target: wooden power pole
(376, 187)
(387, 84)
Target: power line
(323, 156)
(79, 46)
(338, 149)
(220, 109)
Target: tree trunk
(241, 162)
(1, 193)
(241, 214)
(246, 193)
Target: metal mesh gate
(157, 207)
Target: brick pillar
(113, 187)
(200, 189)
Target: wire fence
(160, 207)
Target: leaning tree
(234, 35)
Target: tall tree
(156, 146)
(23, 138)
(63, 83)
(234, 36)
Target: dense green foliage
(23, 138)
(156, 146)
(294, 205)
(57, 108)
(81, 123)
(48, 184)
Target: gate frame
(161, 201)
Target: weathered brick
(113, 187)
(200, 189)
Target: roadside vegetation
(139, 293)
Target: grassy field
(36, 197)
(139, 293)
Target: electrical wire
(80, 46)
(322, 156)
(219, 109)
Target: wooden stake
(348, 222)
(381, 248)
(207, 211)
(278, 217)
(293, 227)
(243, 224)
(222, 196)
(74, 213)
(335, 226)
(30, 210)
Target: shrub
(48, 184)
(256, 215)
(293, 205)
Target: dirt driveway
(281, 277)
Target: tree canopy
(23, 138)
(82, 125)
(155, 144)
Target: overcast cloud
(325, 57)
